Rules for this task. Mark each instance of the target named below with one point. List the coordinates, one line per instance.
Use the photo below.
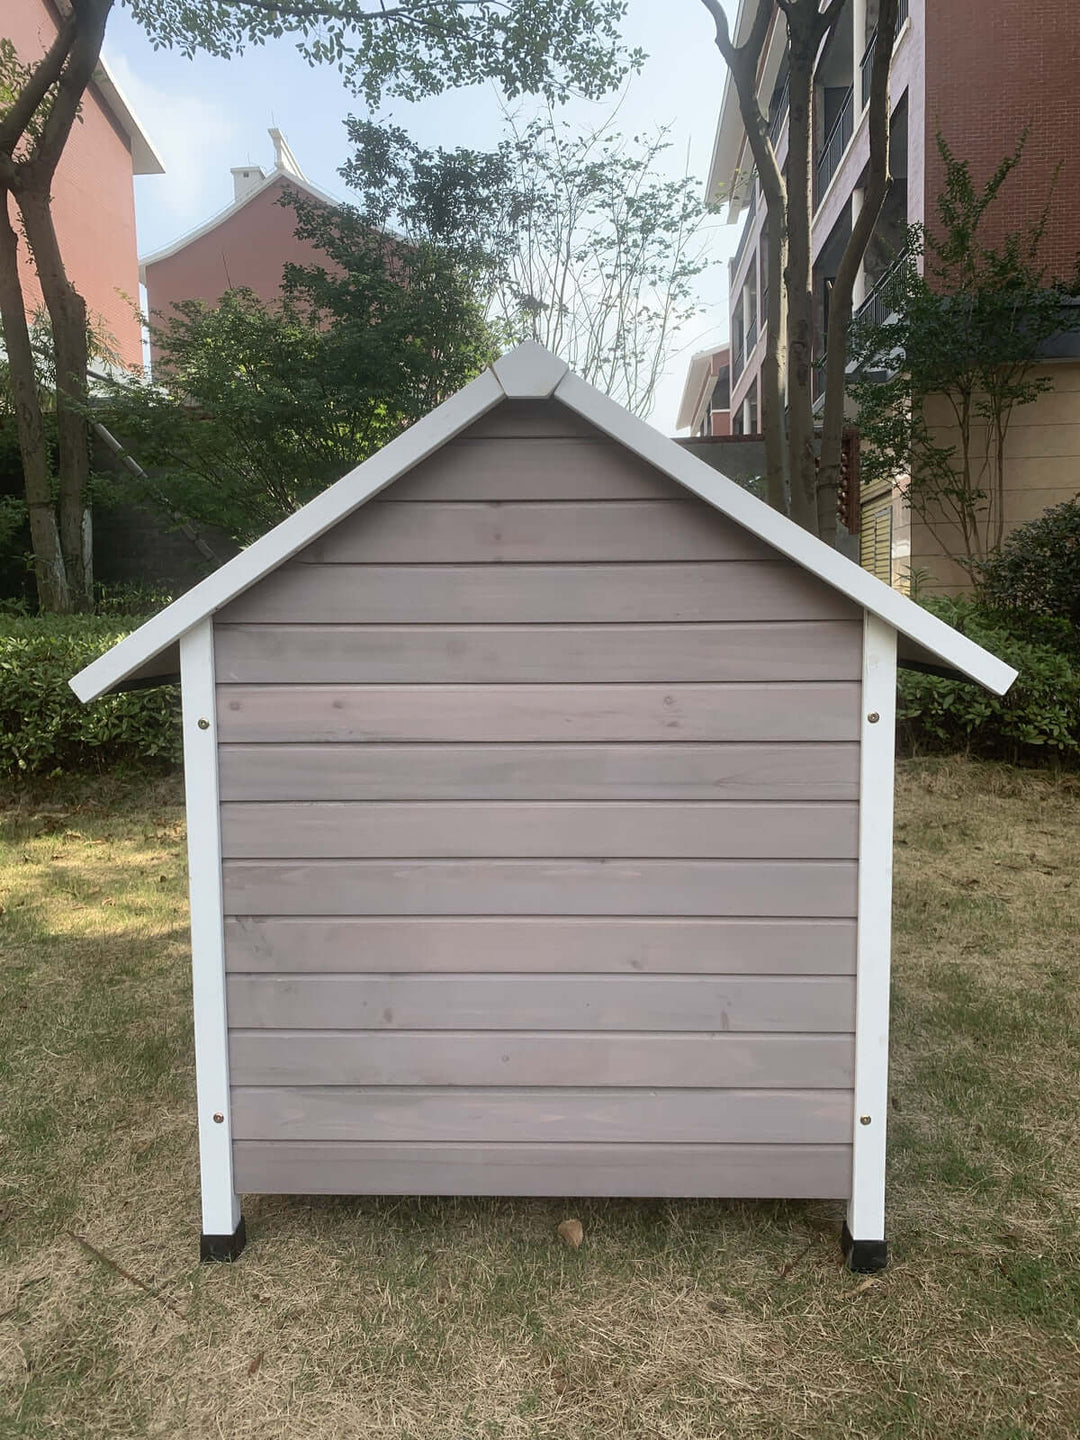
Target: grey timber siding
(539, 815)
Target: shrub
(1037, 570)
(1036, 722)
(131, 598)
(44, 729)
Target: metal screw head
(864, 1119)
(219, 1119)
(873, 717)
(204, 724)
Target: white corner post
(222, 1226)
(864, 1239)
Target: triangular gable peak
(150, 654)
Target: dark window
(721, 395)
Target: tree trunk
(29, 155)
(743, 63)
(49, 569)
(836, 346)
(774, 362)
(803, 39)
(67, 314)
(774, 367)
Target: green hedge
(44, 729)
(1037, 722)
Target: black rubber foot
(864, 1257)
(223, 1247)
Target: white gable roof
(531, 372)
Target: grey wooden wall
(539, 813)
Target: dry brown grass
(463, 1320)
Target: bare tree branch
(44, 76)
(877, 185)
(79, 70)
(723, 32)
(743, 62)
(830, 15)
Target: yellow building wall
(1042, 468)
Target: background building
(705, 407)
(245, 246)
(979, 72)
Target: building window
(721, 395)
(752, 410)
(875, 543)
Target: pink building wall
(248, 249)
(93, 198)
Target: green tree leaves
(416, 48)
(938, 379)
(577, 241)
(257, 408)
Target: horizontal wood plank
(531, 420)
(559, 468)
(822, 771)
(565, 594)
(520, 945)
(812, 1004)
(537, 829)
(537, 654)
(537, 713)
(797, 1172)
(764, 1117)
(540, 887)
(466, 532)
(316, 1057)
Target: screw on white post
(864, 1238)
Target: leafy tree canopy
(578, 241)
(257, 408)
(415, 48)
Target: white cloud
(197, 139)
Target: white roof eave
(531, 372)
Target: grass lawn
(463, 1320)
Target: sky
(205, 116)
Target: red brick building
(246, 245)
(93, 194)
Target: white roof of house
(531, 372)
(145, 160)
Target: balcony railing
(867, 62)
(817, 377)
(831, 153)
(776, 124)
(751, 329)
(881, 301)
(738, 364)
